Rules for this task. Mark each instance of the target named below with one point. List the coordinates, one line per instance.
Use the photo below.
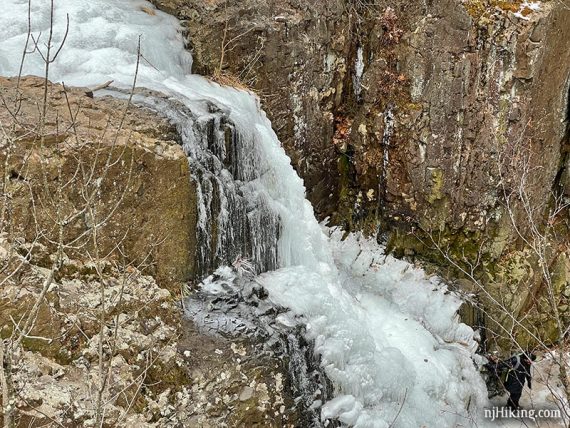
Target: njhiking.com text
(495, 413)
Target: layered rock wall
(396, 111)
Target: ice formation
(358, 71)
(388, 336)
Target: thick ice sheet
(388, 336)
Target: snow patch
(525, 7)
(358, 71)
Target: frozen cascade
(235, 220)
(388, 337)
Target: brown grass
(227, 79)
(148, 10)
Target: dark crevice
(15, 175)
(562, 174)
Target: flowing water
(386, 336)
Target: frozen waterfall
(388, 336)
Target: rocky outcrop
(492, 97)
(59, 368)
(162, 371)
(128, 162)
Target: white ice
(358, 71)
(389, 336)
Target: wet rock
(288, 382)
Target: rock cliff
(405, 103)
(418, 119)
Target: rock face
(131, 166)
(420, 119)
(493, 92)
(406, 104)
